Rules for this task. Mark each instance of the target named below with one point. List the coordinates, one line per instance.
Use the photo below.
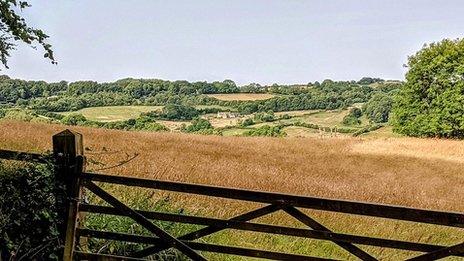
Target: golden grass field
(422, 173)
(241, 96)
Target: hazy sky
(246, 41)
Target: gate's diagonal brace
(140, 219)
(210, 230)
(303, 218)
(441, 253)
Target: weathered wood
(215, 224)
(300, 216)
(68, 153)
(452, 219)
(80, 255)
(211, 229)
(445, 252)
(24, 156)
(198, 246)
(166, 237)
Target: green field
(234, 131)
(113, 113)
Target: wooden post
(68, 152)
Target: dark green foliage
(211, 110)
(199, 125)
(352, 118)
(13, 28)
(431, 102)
(144, 123)
(30, 200)
(74, 119)
(367, 129)
(247, 122)
(264, 116)
(329, 95)
(266, 130)
(378, 108)
(77, 95)
(369, 80)
(176, 112)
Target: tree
(378, 108)
(352, 118)
(369, 80)
(198, 125)
(13, 28)
(74, 119)
(431, 102)
(178, 112)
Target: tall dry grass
(420, 173)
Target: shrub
(266, 130)
(18, 114)
(352, 118)
(30, 200)
(154, 126)
(264, 116)
(74, 119)
(367, 129)
(247, 122)
(197, 125)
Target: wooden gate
(68, 152)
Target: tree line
(63, 96)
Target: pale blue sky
(246, 41)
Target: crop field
(373, 170)
(241, 96)
(113, 113)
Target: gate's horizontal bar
(92, 256)
(197, 246)
(22, 156)
(343, 206)
(272, 229)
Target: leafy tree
(369, 80)
(265, 116)
(431, 102)
(198, 124)
(178, 112)
(378, 108)
(74, 119)
(247, 122)
(352, 118)
(13, 28)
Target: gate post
(69, 157)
